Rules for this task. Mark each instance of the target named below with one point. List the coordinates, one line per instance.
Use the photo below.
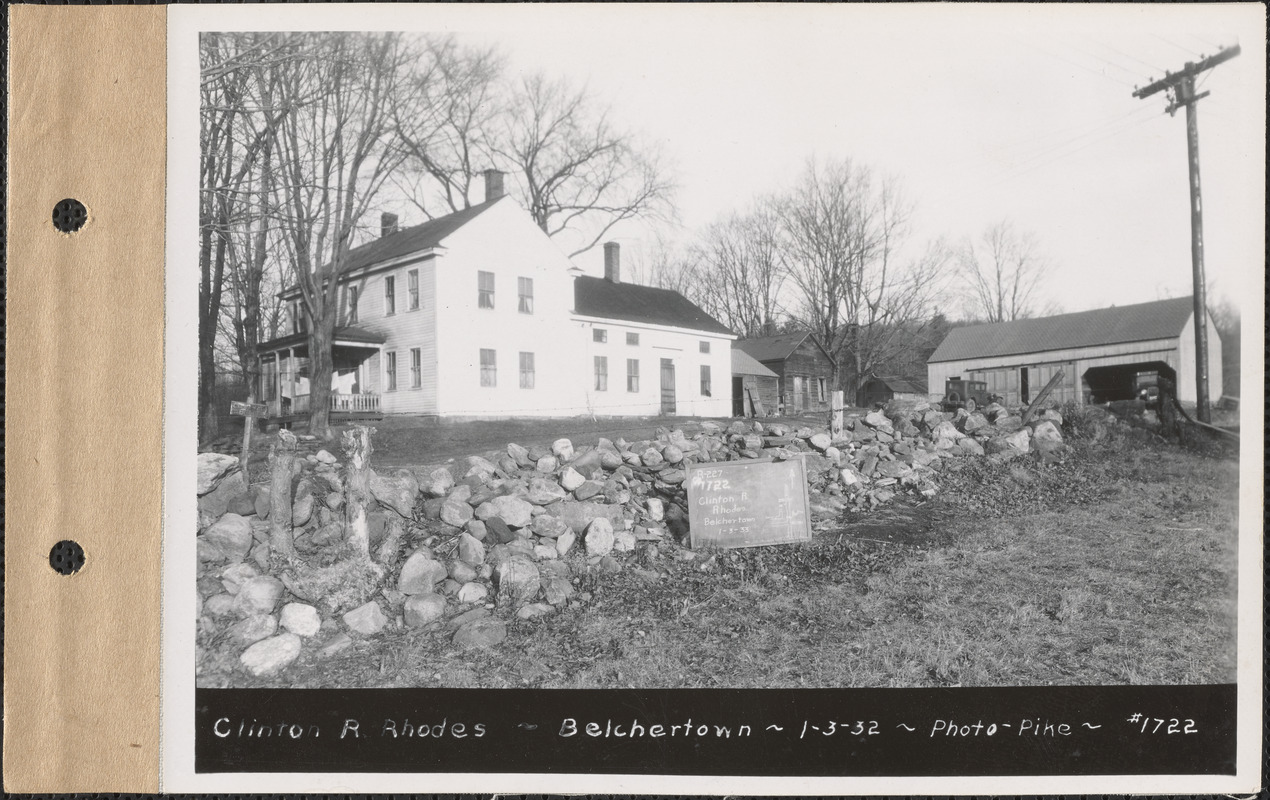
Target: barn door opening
(1023, 386)
(667, 386)
(738, 396)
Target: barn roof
(744, 364)
(1161, 319)
(600, 297)
(775, 348)
(903, 385)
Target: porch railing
(350, 403)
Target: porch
(286, 376)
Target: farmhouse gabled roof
(629, 302)
(1161, 319)
(744, 364)
(779, 347)
(413, 239)
(419, 237)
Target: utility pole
(1181, 91)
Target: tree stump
(357, 495)
(281, 464)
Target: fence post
(835, 418)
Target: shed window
(600, 335)
(632, 338)
(632, 374)
(704, 347)
(705, 379)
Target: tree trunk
(321, 367)
(358, 447)
(281, 461)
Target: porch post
(277, 377)
(291, 374)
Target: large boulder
(260, 595)
(1046, 436)
(438, 483)
(228, 492)
(211, 468)
(397, 491)
(579, 515)
(1009, 445)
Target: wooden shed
(755, 388)
(1103, 353)
(803, 367)
(882, 389)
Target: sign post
(748, 503)
(250, 412)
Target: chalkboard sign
(239, 409)
(748, 503)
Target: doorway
(667, 386)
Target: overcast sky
(986, 113)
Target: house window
(390, 295)
(484, 289)
(352, 305)
(526, 370)
(601, 373)
(704, 347)
(632, 338)
(416, 368)
(299, 324)
(412, 288)
(525, 288)
(599, 335)
(705, 379)
(820, 389)
(392, 370)
(632, 374)
(489, 368)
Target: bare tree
(335, 148)
(1002, 271)
(858, 292)
(446, 113)
(575, 169)
(743, 268)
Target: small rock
(301, 619)
(470, 550)
(456, 513)
(571, 479)
(534, 610)
(498, 530)
(366, 619)
(211, 468)
(518, 581)
(473, 592)
(230, 535)
(513, 511)
(562, 449)
(397, 491)
(820, 441)
(253, 629)
(588, 489)
(233, 577)
(438, 483)
(420, 574)
(338, 643)
(258, 596)
(481, 633)
(564, 543)
(519, 454)
(599, 537)
(422, 609)
(656, 508)
(272, 655)
(547, 464)
(325, 457)
(623, 541)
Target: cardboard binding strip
(87, 120)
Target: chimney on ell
(493, 184)
(387, 224)
(612, 262)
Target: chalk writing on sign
(748, 503)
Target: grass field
(1114, 567)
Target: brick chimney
(612, 262)
(387, 224)
(493, 184)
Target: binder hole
(66, 557)
(69, 215)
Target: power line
(1149, 66)
(1175, 44)
(1082, 66)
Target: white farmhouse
(479, 314)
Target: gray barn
(1101, 352)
